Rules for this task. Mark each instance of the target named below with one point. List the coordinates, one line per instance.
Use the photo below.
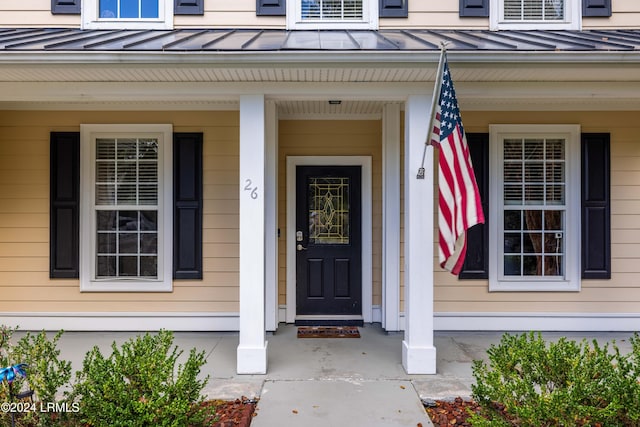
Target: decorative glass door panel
(328, 210)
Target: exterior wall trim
(367, 262)
(125, 321)
(503, 321)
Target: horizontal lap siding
(621, 294)
(24, 220)
(331, 138)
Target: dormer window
(535, 14)
(129, 9)
(332, 14)
(127, 14)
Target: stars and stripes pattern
(458, 199)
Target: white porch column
(418, 352)
(271, 216)
(391, 217)
(252, 348)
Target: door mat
(328, 332)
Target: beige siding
(331, 138)
(242, 14)
(24, 219)
(621, 294)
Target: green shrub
(528, 382)
(139, 385)
(46, 374)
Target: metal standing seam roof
(255, 40)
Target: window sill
(126, 286)
(535, 286)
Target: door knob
(300, 247)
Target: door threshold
(319, 320)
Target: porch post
(252, 348)
(418, 352)
(391, 217)
(271, 216)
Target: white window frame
(571, 279)
(88, 281)
(369, 18)
(92, 20)
(572, 19)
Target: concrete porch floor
(317, 375)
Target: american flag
(458, 199)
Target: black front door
(328, 241)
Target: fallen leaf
(295, 411)
(402, 387)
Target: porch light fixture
(335, 102)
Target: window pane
(530, 265)
(128, 243)
(126, 194)
(512, 265)
(126, 149)
(554, 265)
(512, 220)
(108, 9)
(106, 266)
(512, 243)
(149, 243)
(149, 9)
(149, 266)
(106, 243)
(128, 220)
(553, 221)
(128, 266)
(148, 220)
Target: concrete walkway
(326, 382)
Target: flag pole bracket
(420, 174)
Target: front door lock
(299, 247)
(299, 237)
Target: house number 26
(253, 190)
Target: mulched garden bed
(236, 413)
(451, 413)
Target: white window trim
(164, 282)
(572, 21)
(571, 280)
(369, 18)
(91, 20)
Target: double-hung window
(536, 196)
(332, 14)
(129, 14)
(126, 211)
(535, 14)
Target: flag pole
(434, 105)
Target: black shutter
(64, 204)
(596, 7)
(188, 7)
(271, 7)
(476, 262)
(65, 7)
(474, 8)
(596, 210)
(187, 207)
(394, 8)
